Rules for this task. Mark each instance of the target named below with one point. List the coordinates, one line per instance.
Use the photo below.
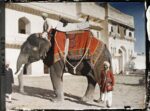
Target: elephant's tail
(108, 57)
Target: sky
(137, 10)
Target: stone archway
(122, 59)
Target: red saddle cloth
(78, 44)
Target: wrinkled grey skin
(29, 55)
(32, 50)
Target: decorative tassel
(66, 69)
(74, 70)
(66, 49)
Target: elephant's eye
(35, 48)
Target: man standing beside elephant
(106, 85)
(9, 81)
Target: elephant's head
(32, 50)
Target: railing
(130, 38)
(113, 34)
(116, 35)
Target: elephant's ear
(44, 46)
(33, 39)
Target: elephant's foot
(57, 99)
(87, 99)
(21, 91)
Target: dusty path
(39, 90)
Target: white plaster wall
(118, 16)
(96, 35)
(62, 9)
(12, 17)
(140, 62)
(11, 55)
(37, 68)
(118, 43)
(93, 10)
(69, 9)
(115, 65)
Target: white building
(121, 38)
(107, 23)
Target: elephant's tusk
(18, 73)
(45, 54)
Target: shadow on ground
(47, 94)
(130, 84)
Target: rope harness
(66, 53)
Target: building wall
(127, 50)
(12, 17)
(121, 46)
(95, 10)
(120, 17)
(121, 38)
(61, 9)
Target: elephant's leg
(20, 81)
(90, 89)
(20, 78)
(56, 72)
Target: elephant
(36, 48)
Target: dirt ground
(127, 92)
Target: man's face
(105, 67)
(44, 18)
(7, 65)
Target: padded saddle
(71, 27)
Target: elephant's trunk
(21, 61)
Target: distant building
(108, 24)
(121, 38)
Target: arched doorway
(122, 59)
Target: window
(130, 34)
(24, 25)
(124, 31)
(118, 29)
(111, 28)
